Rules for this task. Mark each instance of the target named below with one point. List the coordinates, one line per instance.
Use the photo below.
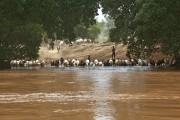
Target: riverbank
(100, 51)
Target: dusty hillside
(101, 51)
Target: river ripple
(96, 93)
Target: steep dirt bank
(101, 51)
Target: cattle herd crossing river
(90, 93)
(87, 62)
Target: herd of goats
(87, 62)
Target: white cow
(100, 63)
(96, 62)
(87, 62)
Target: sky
(100, 17)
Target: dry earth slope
(100, 51)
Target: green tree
(81, 31)
(146, 26)
(90, 32)
(19, 38)
(93, 32)
(21, 42)
(22, 23)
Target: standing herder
(113, 54)
(62, 61)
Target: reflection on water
(96, 93)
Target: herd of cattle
(88, 62)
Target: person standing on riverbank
(113, 54)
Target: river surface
(95, 93)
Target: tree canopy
(90, 32)
(22, 23)
(145, 26)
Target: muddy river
(90, 93)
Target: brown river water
(90, 93)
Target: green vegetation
(23, 22)
(90, 32)
(146, 26)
